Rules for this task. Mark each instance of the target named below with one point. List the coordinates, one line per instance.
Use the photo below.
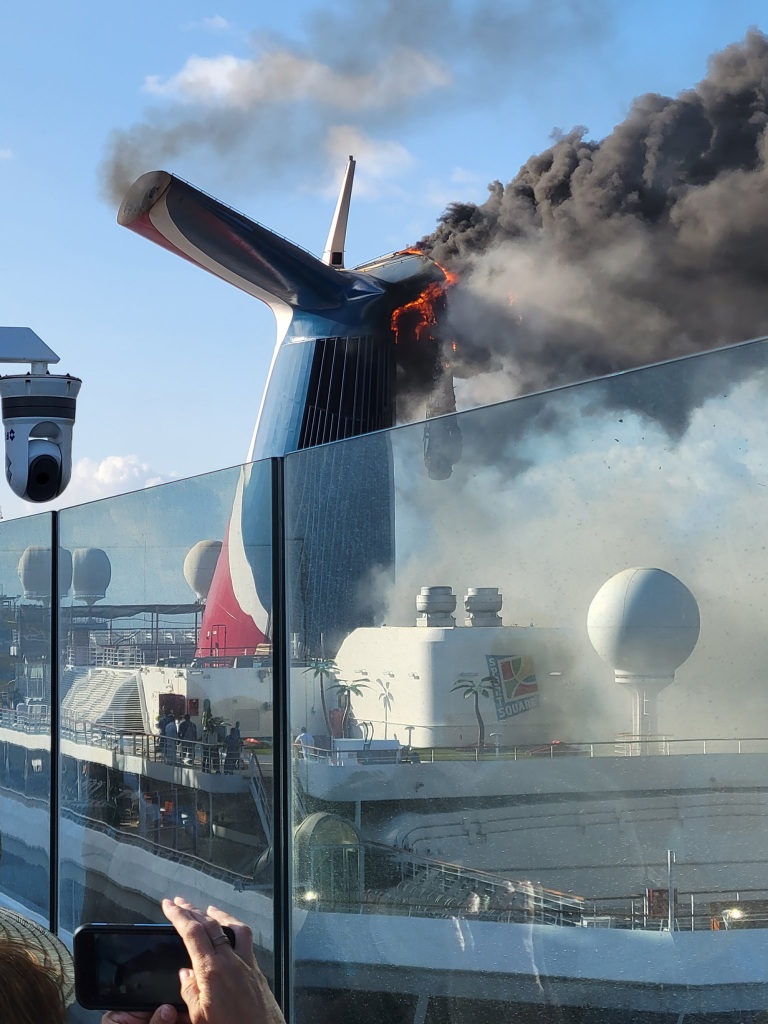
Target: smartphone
(130, 966)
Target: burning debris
(647, 245)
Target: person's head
(31, 991)
(186, 718)
(37, 978)
(303, 728)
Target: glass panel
(167, 703)
(25, 721)
(503, 809)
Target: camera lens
(44, 478)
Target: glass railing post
(55, 718)
(281, 780)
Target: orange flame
(512, 300)
(424, 305)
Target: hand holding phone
(225, 987)
(223, 984)
(130, 967)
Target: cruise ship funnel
(348, 342)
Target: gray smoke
(599, 256)
(356, 71)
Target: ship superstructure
(538, 852)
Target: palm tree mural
(348, 690)
(387, 699)
(476, 688)
(322, 669)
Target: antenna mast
(333, 255)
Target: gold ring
(219, 940)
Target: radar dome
(200, 564)
(644, 622)
(35, 573)
(91, 574)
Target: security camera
(38, 416)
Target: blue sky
(435, 100)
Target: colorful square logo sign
(515, 688)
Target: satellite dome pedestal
(645, 624)
(645, 702)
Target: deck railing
(433, 888)
(35, 717)
(622, 746)
(208, 756)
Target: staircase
(110, 697)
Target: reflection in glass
(25, 719)
(166, 724)
(547, 804)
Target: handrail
(20, 721)
(210, 758)
(654, 746)
(436, 889)
(259, 794)
(664, 746)
(177, 856)
(648, 746)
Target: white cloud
(115, 474)
(279, 77)
(216, 23)
(6, 154)
(378, 160)
(92, 480)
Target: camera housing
(38, 417)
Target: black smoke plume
(354, 75)
(600, 256)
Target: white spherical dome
(91, 574)
(35, 570)
(200, 565)
(644, 622)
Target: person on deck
(305, 741)
(171, 741)
(232, 747)
(188, 731)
